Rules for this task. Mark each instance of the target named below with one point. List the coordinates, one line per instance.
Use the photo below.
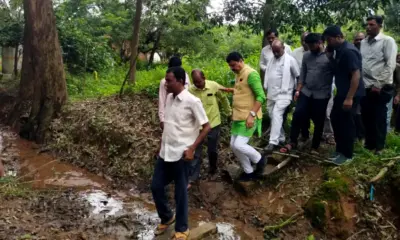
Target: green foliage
(392, 13)
(84, 33)
(11, 23)
(297, 16)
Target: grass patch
(10, 187)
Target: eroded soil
(100, 189)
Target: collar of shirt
(341, 46)
(181, 95)
(377, 38)
(206, 86)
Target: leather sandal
(287, 148)
(181, 235)
(162, 228)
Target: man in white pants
(279, 81)
(248, 98)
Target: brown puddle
(45, 171)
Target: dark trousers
(305, 133)
(397, 119)
(164, 174)
(212, 149)
(309, 108)
(360, 131)
(374, 113)
(344, 126)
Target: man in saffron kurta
(246, 115)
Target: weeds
(11, 187)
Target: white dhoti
(276, 109)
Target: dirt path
(70, 203)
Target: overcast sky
(216, 5)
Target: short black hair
(234, 56)
(377, 18)
(273, 30)
(313, 38)
(179, 74)
(333, 31)
(174, 62)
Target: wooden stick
(393, 158)
(355, 234)
(382, 172)
(288, 221)
(286, 154)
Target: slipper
(181, 235)
(162, 228)
(287, 148)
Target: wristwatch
(253, 114)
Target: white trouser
(276, 109)
(244, 152)
(328, 130)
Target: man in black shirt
(312, 93)
(350, 88)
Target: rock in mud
(332, 208)
(203, 231)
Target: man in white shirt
(280, 77)
(378, 62)
(266, 52)
(184, 116)
(162, 91)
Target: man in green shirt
(209, 92)
(248, 97)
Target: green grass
(11, 187)
(109, 83)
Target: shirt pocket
(210, 98)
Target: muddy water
(41, 170)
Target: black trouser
(397, 119)
(309, 108)
(374, 113)
(343, 126)
(164, 174)
(212, 149)
(305, 133)
(360, 131)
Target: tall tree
(298, 15)
(135, 41)
(43, 86)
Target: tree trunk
(16, 61)
(267, 24)
(135, 41)
(154, 49)
(43, 88)
(267, 20)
